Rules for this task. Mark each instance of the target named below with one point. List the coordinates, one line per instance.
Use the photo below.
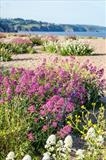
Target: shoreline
(58, 34)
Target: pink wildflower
(31, 109)
(45, 128)
(36, 120)
(64, 131)
(54, 124)
(30, 136)
(19, 40)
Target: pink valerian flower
(9, 91)
(57, 106)
(54, 124)
(18, 89)
(69, 107)
(42, 112)
(44, 128)
(64, 131)
(20, 40)
(2, 101)
(102, 84)
(6, 81)
(31, 109)
(47, 86)
(100, 73)
(41, 90)
(60, 102)
(35, 120)
(30, 136)
(55, 110)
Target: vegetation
(19, 24)
(91, 124)
(51, 103)
(36, 103)
(5, 54)
(68, 48)
(36, 40)
(17, 46)
(14, 44)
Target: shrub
(36, 40)
(22, 48)
(68, 48)
(50, 47)
(5, 54)
(18, 48)
(75, 48)
(13, 127)
(91, 125)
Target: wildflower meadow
(42, 108)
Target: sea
(80, 34)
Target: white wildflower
(91, 133)
(27, 157)
(47, 146)
(46, 156)
(59, 143)
(54, 156)
(100, 140)
(51, 149)
(80, 154)
(10, 156)
(51, 140)
(63, 155)
(68, 142)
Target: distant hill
(19, 24)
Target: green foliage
(92, 127)
(36, 40)
(5, 54)
(22, 48)
(76, 48)
(50, 47)
(68, 48)
(15, 49)
(14, 122)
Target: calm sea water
(88, 34)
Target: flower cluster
(49, 94)
(94, 138)
(58, 149)
(91, 126)
(94, 144)
(20, 40)
(68, 47)
(11, 156)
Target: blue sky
(56, 11)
